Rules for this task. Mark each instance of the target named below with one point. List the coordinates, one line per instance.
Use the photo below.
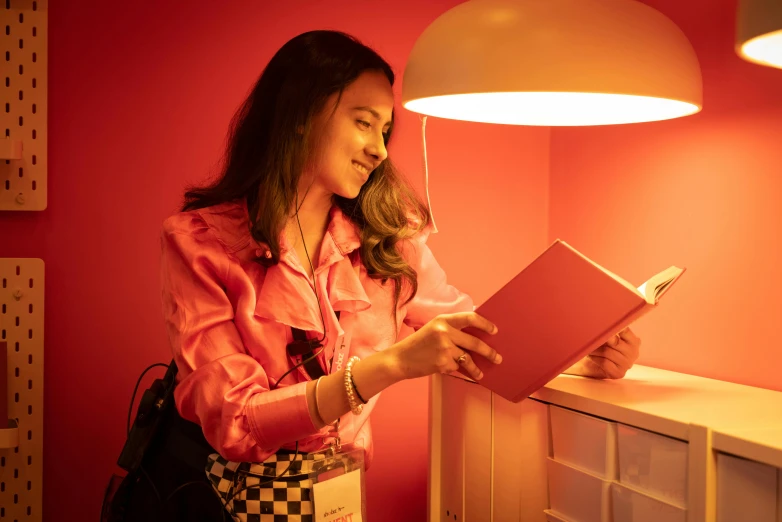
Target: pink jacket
(228, 321)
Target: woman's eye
(363, 123)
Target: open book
(557, 310)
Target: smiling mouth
(361, 168)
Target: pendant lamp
(553, 63)
(759, 31)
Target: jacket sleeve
(221, 387)
(434, 296)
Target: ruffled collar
(287, 294)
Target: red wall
(702, 192)
(139, 100)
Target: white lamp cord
(426, 174)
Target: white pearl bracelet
(355, 405)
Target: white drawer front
(629, 505)
(746, 490)
(582, 441)
(653, 463)
(554, 517)
(577, 495)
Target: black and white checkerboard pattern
(247, 500)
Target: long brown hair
(268, 147)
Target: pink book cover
(553, 313)
(3, 384)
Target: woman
(310, 229)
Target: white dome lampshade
(553, 63)
(759, 31)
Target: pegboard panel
(23, 117)
(21, 326)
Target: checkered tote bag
(251, 493)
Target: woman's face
(348, 141)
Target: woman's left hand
(612, 359)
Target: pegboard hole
(35, 108)
(29, 511)
(29, 308)
(21, 18)
(17, 321)
(29, 384)
(29, 460)
(7, 30)
(21, 95)
(31, 282)
(8, 56)
(30, 409)
(35, 57)
(21, 43)
(16, 475)
(17, 346)
(35, 6)
(34, 187)
(21, 121)
(29, 435)
(35, 134)
(7, 187)
(30, 333)
(35, 83)
(29, 486)
(3, 334)
(4, 282)
(7, 81)
(30, 358)
(3, 307)
(21, 172)
(35, 31)
(16, 397)
(35, 158)
(2, 462)
(7, 107)
(16, 373)
(18, 270)
(21, 69)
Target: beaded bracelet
(355, 406)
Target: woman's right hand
(436, 347)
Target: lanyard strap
(301, 346)
(342, 347)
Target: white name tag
(338, 499)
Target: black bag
(165, 456)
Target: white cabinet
(656, 446)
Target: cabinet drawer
(554, 517)
(577, 495)
(746, 490)
(629, 505)
(583, 441)
(653, 464)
